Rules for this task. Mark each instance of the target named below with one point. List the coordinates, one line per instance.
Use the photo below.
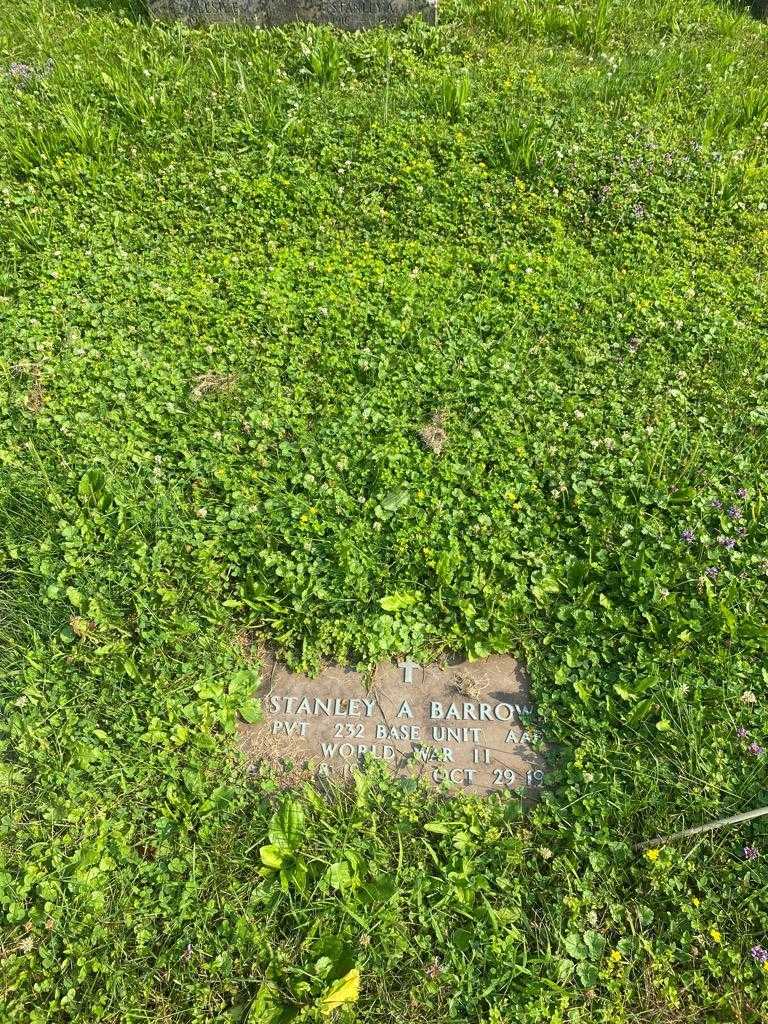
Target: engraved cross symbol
(408, 666)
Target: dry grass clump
(35, 397)
(433, 435)
(212, 383)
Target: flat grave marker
(468, 726)
(351, 15)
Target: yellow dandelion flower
(716, 936)
(652, 855)
(616, 956)
(696, 901)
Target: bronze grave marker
(468, 726)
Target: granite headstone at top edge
(350, 15)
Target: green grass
(238, 272)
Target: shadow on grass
(757, 8)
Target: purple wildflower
(742, 492)
(742, 733)
(734, 512)
(21, 72)
(759, 954)
(687, 536)
(756, 750)
(717, 503)
(639, 211)
(751, 853)
(712, 572)
(726, 542)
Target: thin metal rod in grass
(710, 826)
